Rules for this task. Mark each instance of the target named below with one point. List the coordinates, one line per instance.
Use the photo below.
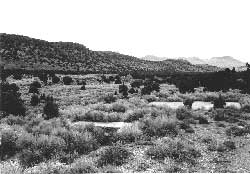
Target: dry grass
(75, 103)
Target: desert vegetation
(106, 123)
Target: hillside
(195, 60)
(225, 62)
(28, 53)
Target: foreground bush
(34, 100)
(118, 107)
(8, 146)
(237, 131)
(81, 166)
(11, 103)
(246, 108)
(183, 113)
(175, 149)
(51, 110)
(13, 120)
(55, 79)
(128, 134)
(38, 149)
(67, 80)
(188, 103)
(134, 115)
(11, 167)
(113, 155)
(6, 87)
(219, 102)
(229, 114)
(110, 98)
(62, 144)
(36, 84)
(33, 89)
(92, 115)
(159, 126)
(83, 87)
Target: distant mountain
(195, 60)
(153, 58)
(225, 62)
(18, 51)
(222, 62)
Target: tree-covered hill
(23, 52)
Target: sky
(164, 28)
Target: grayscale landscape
(119, 87)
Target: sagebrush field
(84, 125)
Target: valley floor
(141, 137)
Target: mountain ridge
(28, 53)
(223, 62)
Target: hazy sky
(166, 28)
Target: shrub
(226, 146)
(36, 149)
(219, 102)
(130, 133)
(146, 91)
(42, 97)
(118, 107)
(83, 87)
(11, 167)
(80, 166)
(236, 131)
(118, 81)
(123, 88)
(186, 126)
(36, 84)
(150, 98)
(112, 117)
(202, 120)
(125, 94)
(33, 89)
(188, 103)
(136, 84)
(6, 87)
(29, 157)
(81, 82)
(246, 108)
(244, 101)
(10, 99)
(110, 169)
(49, 98)
(159, 126)
(182, 113)
(229, 114)
(113, 155)
(230, 145)
(55, 79)
(110, 98)
(12, 120)
(94, 116)
(67, 80)
(51, 110)
(34, 100)
(131, 91)
(48, 167)
(8, 146)
(218, 115)
(134, 115)
(17, 76)
(176, 149)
